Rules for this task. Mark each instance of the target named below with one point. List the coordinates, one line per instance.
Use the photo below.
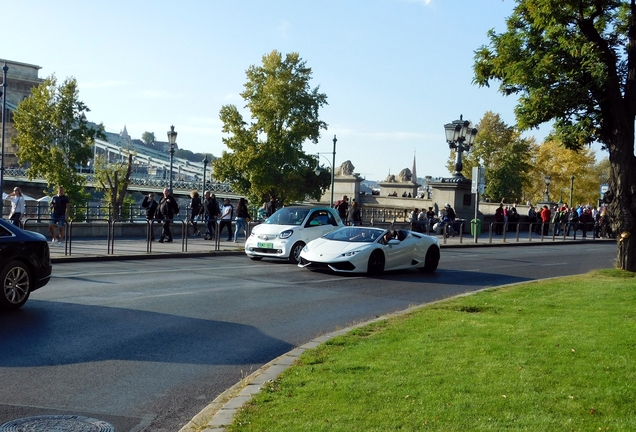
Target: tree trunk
(621, 197)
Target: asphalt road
(145, 345)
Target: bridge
(151, 170)
(147, 159)
(18, 177)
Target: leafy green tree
(265, 156)
(506, 156)
(54, 138)
(113, 178)
(574, 62)
(149, 139)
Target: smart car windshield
(355, 235)
(287, 216)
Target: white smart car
(285, 233)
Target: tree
(574, 62)
(149, 139)
(113, 179)
(54, 137)
(506, 156)
(266, 155)
(552, 159)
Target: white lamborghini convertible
(371, 251)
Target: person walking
(342, 206)
(60, 207)
(586, 221)
(168, 207)
(270, 207)
(354, 217)
(227, 213)
(546, 216)
(195, 211)
(242, 218)
(211, 208)
(18, 206)
(499, 219)
(151, 206)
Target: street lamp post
(205, 165)
(5, 68)
(172, 139)
(460, 138)
(546, 193)
(333, 164)
(333, 167)
(571, 190)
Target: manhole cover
(56, 423)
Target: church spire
(413, 171)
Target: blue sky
(394, 71)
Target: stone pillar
(456, 192)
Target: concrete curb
(221, 410)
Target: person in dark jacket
(211, 209)
(354, 218)
(270, 207)
(151, 206)
(242, 218)
(168, 207)
(195, 211)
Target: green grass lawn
(543, 356)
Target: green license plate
(266, 245)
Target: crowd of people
(565, 220)
(558, 219)
(214, 215)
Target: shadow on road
(50, 333)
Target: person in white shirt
(17, 206)
(227, 214)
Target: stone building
(21, 77)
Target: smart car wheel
(431, 261)
(376, 263)
(294, 253)
(16, 285)
(256, 258)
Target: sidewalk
(91, 248)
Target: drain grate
(56, 423)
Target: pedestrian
(227, 214)
(151, 206)
(532, 217)
(499, 219)
(18, 206)
(270, 207)
(242, 219)
(60, 207)
(586, 221)
(211, 213)
(572, 222)
(546, 216)
(169, 208)
(261, 215)
(354, 217)
(195, 210)
(342, 206)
